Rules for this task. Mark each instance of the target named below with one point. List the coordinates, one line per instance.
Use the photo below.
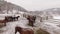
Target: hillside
(4, 5)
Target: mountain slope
(9, 6)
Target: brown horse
(15, 18)
(7, 19)
(24, 30)
(31, 20)
(3, 22)
(10, 18)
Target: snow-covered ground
(52, 25)
(56, 17)
(10, 28)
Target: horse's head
(18, 16)
(19, 29)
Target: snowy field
(56, 17)
(52, 26)
(10, 28)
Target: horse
(7, 19)
(15, 18)
(31, 20)
(10, 18)
(3, 22)
(23, 30)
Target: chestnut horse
(23, 30)
(3, 22)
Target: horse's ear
(18, 16)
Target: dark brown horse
(10, 18)
(24, 30)
(15, 18)
(31, 20)
(3, 22)
(7, 19)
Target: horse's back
(24, 30)
(2, 21)
(27, 31)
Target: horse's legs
(32, 24)
(16, 30)
(17, 18)
(4, 24)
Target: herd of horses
(8, 19)
(21, 30)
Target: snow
(5, 14)
(49, 25)
(17, 33)
(52, 25)
(10, 28)
(56, 17)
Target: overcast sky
(33, 5)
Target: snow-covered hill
(7, 6)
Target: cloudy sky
(33, 5)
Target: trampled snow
(51, 26)
(10, 28)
